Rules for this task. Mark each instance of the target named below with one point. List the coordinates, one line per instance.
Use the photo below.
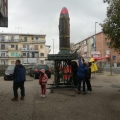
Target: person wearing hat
(43, 81)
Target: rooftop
(89, 37)
(23, 34)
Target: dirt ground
(63, 104)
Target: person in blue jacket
(19, 77)
(82, 74)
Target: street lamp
(53, 46)
(95, 35)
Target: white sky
(42, 17)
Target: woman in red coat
(43, 81)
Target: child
(89, 88)
(43, 81)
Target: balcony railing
(9, 40)
(4, 49)
(38, 41)
(4, 56)
(29, 49)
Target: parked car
(35, 70)
(9, 72)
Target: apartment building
(98, 46)
(3, 13)
(29, 48)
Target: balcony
(29, 49)
(10, 40)
(4, 56)
(13, 49)
(14, 40)
(38, 41)
(29, 60)
(3, 49)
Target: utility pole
(95, 35)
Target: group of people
(83, 73)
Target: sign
(114, 57)
(95, 54)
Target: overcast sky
(42, 17)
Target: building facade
(29, 48)
(3, 13)
(98, 46)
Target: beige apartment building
(29, 48)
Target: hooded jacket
(19, 73)
(82, 69)
(43, 79)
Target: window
(12, 46)
(2, 46)
(108, 59)
(107, 52)
(25, 39)
(16, 37)
(2, 38)
(24, 46)
(16, 55)
(12, 55)
(12, 38)
(24, 54)
(36, 38)
(32, 38)
(41, 46)
(107, 43)
(36, 47)
(85, 42)
(2, 54)
(41, 54)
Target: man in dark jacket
(19, 77)
(81, 74)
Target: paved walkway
(63, 104)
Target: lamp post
(95, 35)
(53, 46)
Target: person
(43, 81)
(89, 88)
(19, 77)
(81, 74)
(74, 71)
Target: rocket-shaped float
(64, 32)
